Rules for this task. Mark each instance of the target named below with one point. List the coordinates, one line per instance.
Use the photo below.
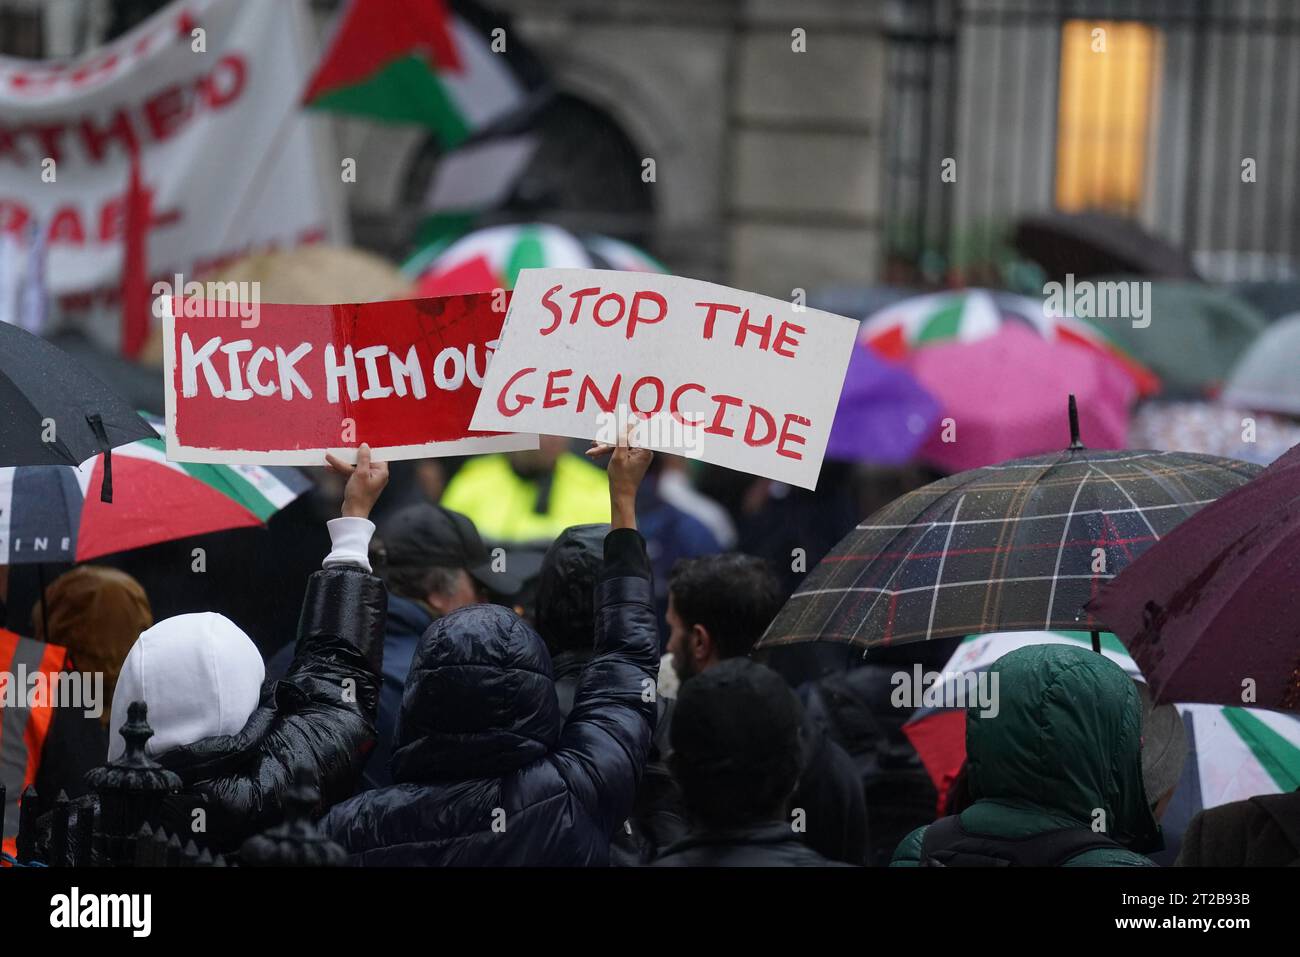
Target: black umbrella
(1020, 546)
(1095, 244)
(54, 412)
(138, 384)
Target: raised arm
(606, 740)
(327, 700)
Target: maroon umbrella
(1211, 612)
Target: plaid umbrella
(1011, 547)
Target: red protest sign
(287, 383)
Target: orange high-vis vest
(23, 723)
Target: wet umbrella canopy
(1018, 546)
(54, 412)
(1212, 613)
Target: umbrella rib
(879, 591)
(1037, 518)
(1012, 468)
(1123, 491)
(855, 589)
(1060, 548)
(58, 443)
(972, 477)
(938, 576)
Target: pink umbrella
(1002, 397)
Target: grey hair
(420, 582)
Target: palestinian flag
(426, 62)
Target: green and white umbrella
(969, 315)
(491, 258)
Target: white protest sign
(731, 377)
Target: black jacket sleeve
(322, 713)
(606, 739)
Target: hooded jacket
(564, 611)
(97, 613)
(488, 770)
(565, 617)
(1065, 744)
(235, 745)
(321, 714)
(407, 621)
(199, 674)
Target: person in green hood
(1055, 772)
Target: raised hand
(627, 467)
(366, 480)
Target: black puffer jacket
(321, 713)
(565, 614)
(489, 773)
(657, 817)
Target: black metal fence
(1180, 113)
(122, 823)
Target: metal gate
(1179, 113)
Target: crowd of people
(458, 704)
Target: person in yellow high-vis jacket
(529, 496)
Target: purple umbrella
(1211, 613)
(884, 414)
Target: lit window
(1104, 113)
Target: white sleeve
(350, 541)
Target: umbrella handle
(1075, 441)
(97, 426)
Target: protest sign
(731, 377)
(294, 382)
(205, 93)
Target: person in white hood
(199, 674)
(235, 742)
